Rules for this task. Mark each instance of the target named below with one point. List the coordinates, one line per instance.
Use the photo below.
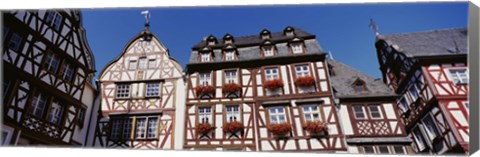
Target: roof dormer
(289, 31)
(211, 40)
(228, 39)
(359, 86)
(265, 34)
(205, 54)
(229, 52)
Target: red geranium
(279, 129)
(315, 127)
(272, 84)
(204, 128)
(204, 89)
(232, 127)
(305, 81)
(231, 88)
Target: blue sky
(342, 29)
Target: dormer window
(205, 57)
(289, 31)
(265, 34)
(268, 48)
(228, 39)
(211, 40)
(229, 52)
(297, 48)
(359, 86)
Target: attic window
(211, 40)
(289, 31)
(228, 39)
(265, 34)
(359, 86)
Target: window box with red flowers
(233, 128)
(273, 87)
(205, 91)
(231, 90)
(204, 129)
(305, 84)
(316, 128)
(280, 130)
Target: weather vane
(374, 27)
(146, 13)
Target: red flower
(231, 88)
(204, 128)
(315, 127)
(279, 129)
(204, 89)
(305, 81)
(272, 84)
(232, 127)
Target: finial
(146, 13)
(373, 26)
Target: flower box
(233, 127)
(231, 88)
(305, 81)
(315, 127)
(204, 128)
(279, 129)
(273, 84)
(201, 90)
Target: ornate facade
(429, 72)
(48, 96)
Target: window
(132, 65)
(123, 90)
(15, 42)
(368, 150)
(302, 70)
(54, 19)
(151, 63)
(205, 79)
(413, 92)
(116, 129)
(375, 111)
(399, 149)
(233, 113)
(359, 86)
(127, 128)
(419, 140)
(5, 31)
(38, 105)
(403, 104)
(140, 130)
(204, 114)
(358, 111)
(268, 51)
(67, 72)
(229, 55)
(297, 48)
(56, 113)
(6, 87)
(271, 73)
(383, 149)
(459, 76)
(4, 137)
(52, 63)
(152, 127)
(277, 115)
(430, 127)
(231, 76)
(153, 89)
(81, 117)
(142, 63)
(205, 57)
(311, 112)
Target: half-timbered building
(142, 91)
(429, 72)
(265, 92)
(48, 96)
(368, 112)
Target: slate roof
(248, 47)
(344, 77)
(430, 43)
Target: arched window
(359, 86)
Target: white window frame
(418, 138)
(123, 91)
(229, 55)
(230, 76)
(205, 78)
(152, 63)
(205, 57)
(55, 114)
(132, 65)
(15, 41)
(271, 74)
(355, 112)
(205, 114)
(39, 104)
(67, 72)
(268, 51)
(54, 19)
(458, 78)
(415, 96)
(152, 89)
(140, 128)
(310, 110)
(431, 129)
(142, 63)
(404, 105)
(302, 70)
(297, 48)
(379, 111)
(152, 128)
(232, 113)
(53, 62)
(277, 114)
